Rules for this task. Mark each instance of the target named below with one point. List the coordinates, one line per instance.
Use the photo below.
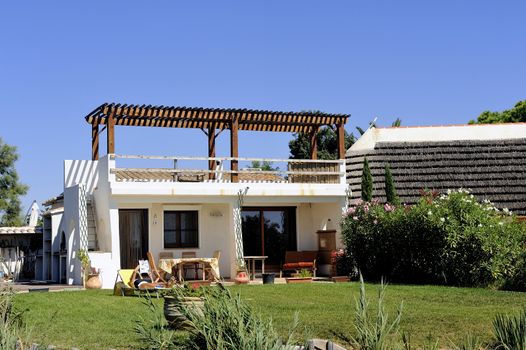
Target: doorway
(269, 231)
(133, 236)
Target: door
(269, 232)
(133, 233)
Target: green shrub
(452, 239)
(510, 331)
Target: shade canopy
(216, 118)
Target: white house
(121, 206)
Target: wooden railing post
(234, 148)
(95, 141)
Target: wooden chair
(157, 276)
(208, 269)
(166, 255)
(192, 266)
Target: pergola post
(211, 150)
(95, 142)
(234, 148)
(110, 132)
(341, 140)
(314, 143)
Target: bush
(224, 323)
(452, 239)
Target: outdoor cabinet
(326, 245)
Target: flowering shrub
(451, 239)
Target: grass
(97, 320)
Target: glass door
(269, 231)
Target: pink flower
(351, 210)
(366, 208)
(375, 221)
(355, 218)
(388, 207)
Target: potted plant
(340, 263)
(90, 275)
(303, 276)
(242, 276)
(182, 296)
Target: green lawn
(98, 320)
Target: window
(180, 229)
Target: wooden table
(251, 269)
(168, 265)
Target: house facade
(118, 207)
(489, 160)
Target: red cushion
(291, 266)
(306, 264)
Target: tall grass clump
(224, 323)
(510, 331)
(14, 334)
(374, 333)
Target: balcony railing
(197, 169)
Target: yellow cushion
(126, 275)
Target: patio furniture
(251, 265)
(168, 265)
(156, 275)
(125, 277)
(302, 260)
(166, 255)
(208, 269)
(190, 266)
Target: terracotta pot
(298, 279)
(242, 277)
(338, 279)
(93, 281)
(175, 319)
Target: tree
(515, 115)
(390, 190)
(300, 146)
(367, 182)
(265, 165)
(10, 187)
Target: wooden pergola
(212, 121)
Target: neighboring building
(131, 205)
(489, 160)
(20, 248)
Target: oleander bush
(449, 239)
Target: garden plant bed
(326, 309)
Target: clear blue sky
(427, 62)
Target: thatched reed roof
(490, 169)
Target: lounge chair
(157, 276)
(124, 285)
(208, 269)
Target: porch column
(314, 144)
(234, 147)
(212, 150)
(95, 141)
(110, 132)
(341, 140)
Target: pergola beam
(314, 143)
